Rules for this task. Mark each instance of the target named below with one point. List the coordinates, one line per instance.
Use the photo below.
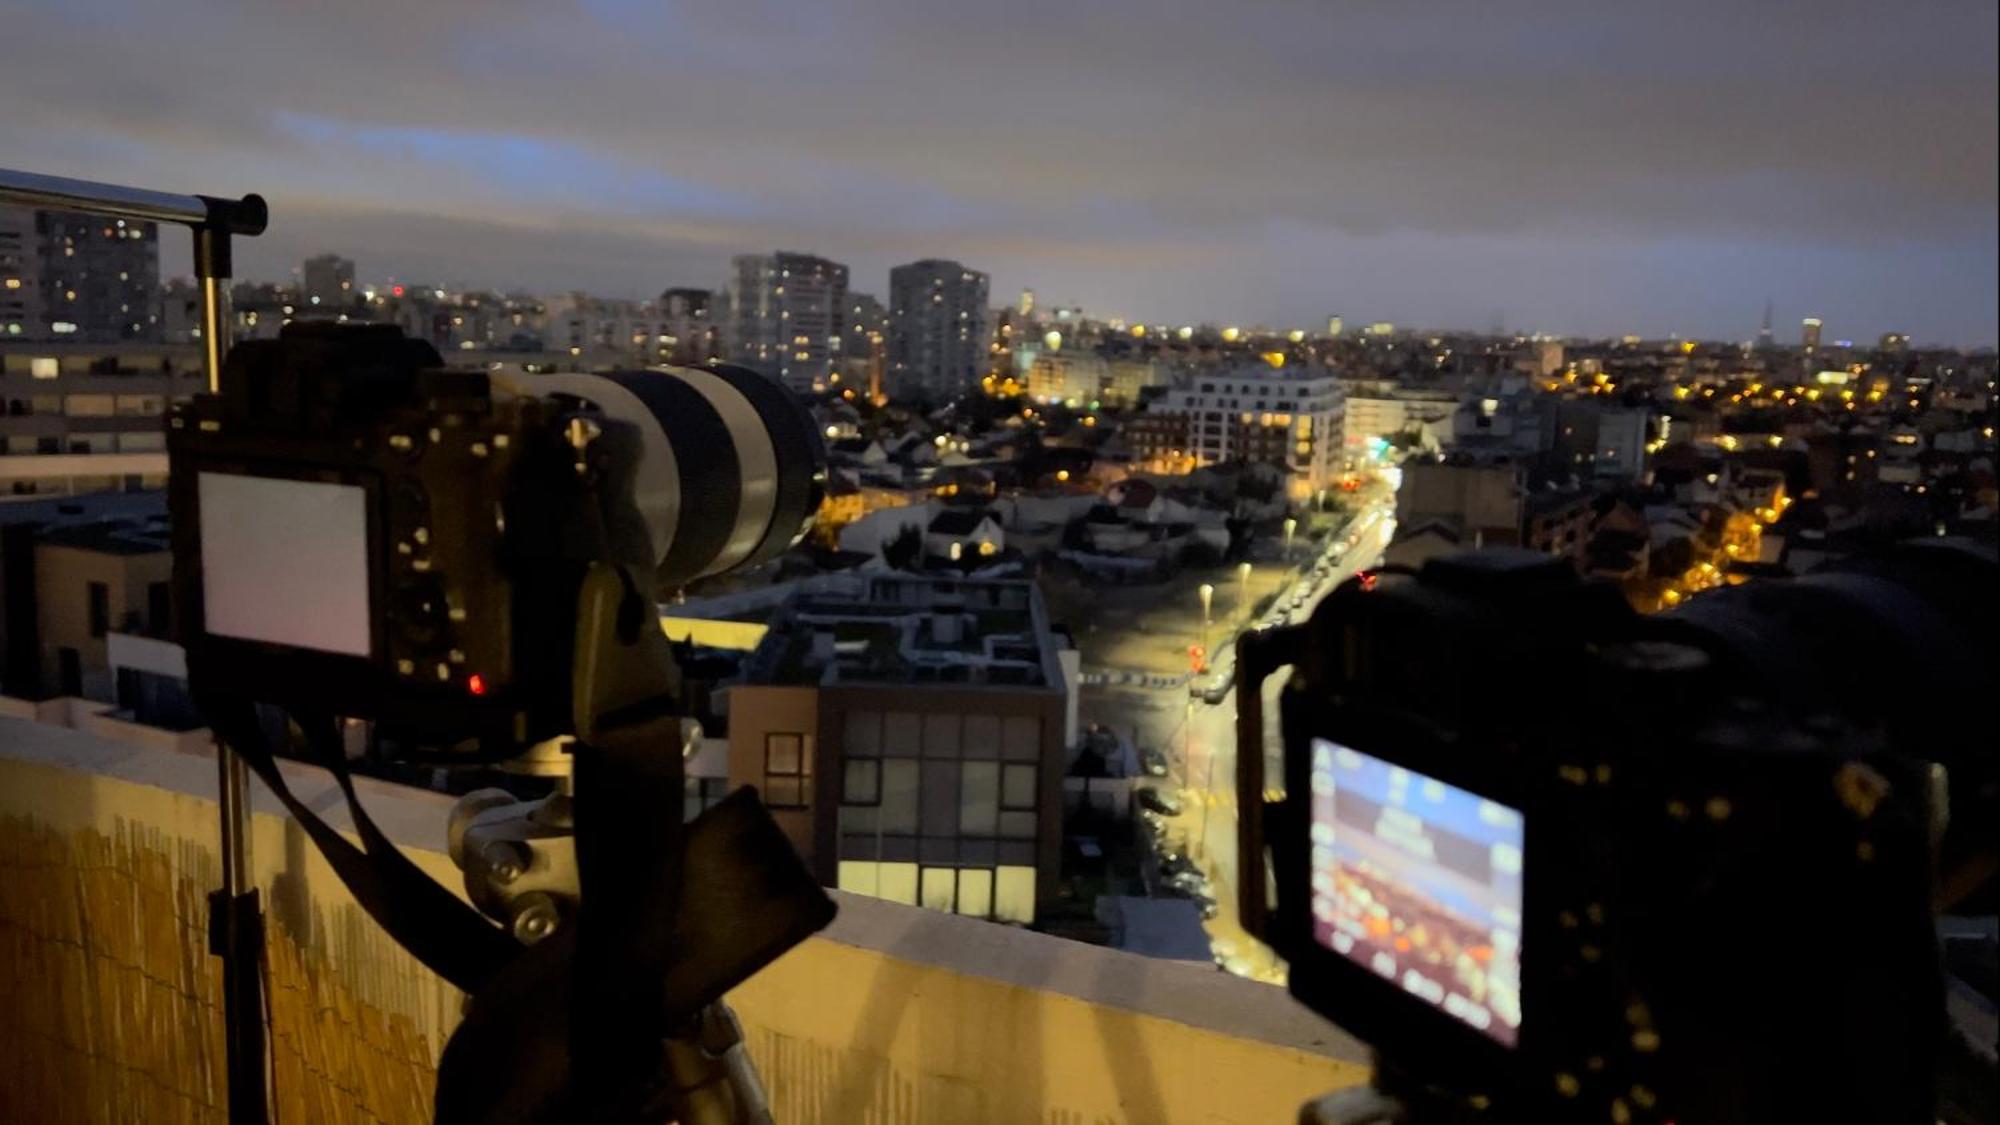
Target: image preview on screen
(1420, 882)
(285, 561)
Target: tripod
(677, 915)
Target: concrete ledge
(894, 1013)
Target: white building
(1383, 411)
(1293, 418)
(1063, 376)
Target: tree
(906, 550)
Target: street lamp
(1291, 529)
(1243, 575)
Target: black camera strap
(434, 925)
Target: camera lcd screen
(285, 561)
(1420, 882)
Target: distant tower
(1809, 335)
(328, 281)
(1764, 333)
(937, 329)
(1027, 304)
(1334, 325)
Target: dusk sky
(1573, 167)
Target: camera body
(1572, 863)
(361, 531)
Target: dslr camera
(1558, 861)
(362, 531)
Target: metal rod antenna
(236, 924)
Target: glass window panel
(1018, 787)
(941, 734)
(860, 876)
(783, 753)
(940, 888)
(1021, 739)
(899, 796)
(1014, 894)
(902, 734)
(863, 783)
(863, 734)
(1017, 825)
(979, 798)
(898, 883)
(982, 736)
(860, 820)
(975, 891)
(784, 792)
(940, 815)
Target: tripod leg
(236, 934)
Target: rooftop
(892, 1013)
(111, 537)
(905, 629)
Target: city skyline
(1578, 171)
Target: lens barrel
(731, 472)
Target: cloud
(1167, 159)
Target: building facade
(93, 280)
(787, 313)
(864, 357)
(1380, 411)
(691, 319)
(909, 735)
(20, 275)
(327, 282)
(937, 329)
(1060, 376)
(1292, 418)
(80, 418)
(91, 581)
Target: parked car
(1153, 800)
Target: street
(1199, 739)
(1208, 773)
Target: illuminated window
(1014, 894)
(787, 771)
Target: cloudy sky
(1575, 166)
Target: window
(863, 737)
(902, 734)
(979, 799)
(941, 734)
(787, 771)
(982, 736)
(44, 367)
(1021, 739)
(1014, 894)
(100, 609)
(1017, 788)
(897, 813)
(861, 784)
